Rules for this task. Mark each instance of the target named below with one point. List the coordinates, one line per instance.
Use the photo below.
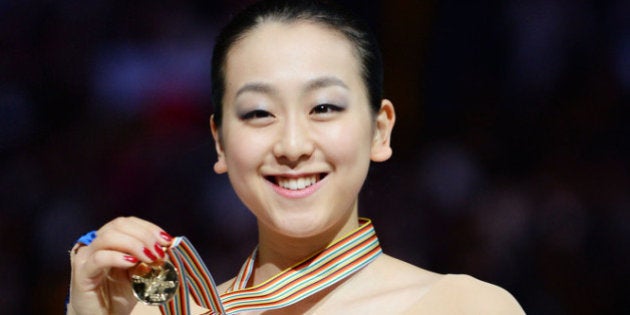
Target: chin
(302, 226)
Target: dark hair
(322, 12)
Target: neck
(277, 252)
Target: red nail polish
(167, 237)
(149, 254)
(130, 259)
(159, 250)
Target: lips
(296, 183)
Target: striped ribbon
(339, 260)
(194, 280)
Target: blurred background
(510, 158)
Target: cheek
(347, 142)
(243, 149)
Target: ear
(220, 166)
(385, 119)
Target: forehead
(292, 49)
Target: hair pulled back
(321, 12)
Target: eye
(326, 109)
(256, 114)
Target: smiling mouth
(296, 183)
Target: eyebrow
(257, 87)
(314, 84)
(323, 82)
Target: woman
(299, 117)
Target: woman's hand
(100, 282)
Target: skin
(99, 282)
(295, 107)
(308, 115)
(273, 70)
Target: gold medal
(154, 283)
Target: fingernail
(130, 259)
(149, 254)
(167, 237)
(159, 250)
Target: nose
(294, 143)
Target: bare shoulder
(419, 291)
(385, 286)
(402, 274)
(463, 294)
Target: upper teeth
(297, 183)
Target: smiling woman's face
(297, 133)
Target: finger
(141, 227)
(126, 241)
(121, 296)
(100, 263)
(162, 238)
(89, 290)
(158, 232)
(153, 237)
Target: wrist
(84, 240)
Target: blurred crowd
(511, 151)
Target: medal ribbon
(336, 262)
(194, 280)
